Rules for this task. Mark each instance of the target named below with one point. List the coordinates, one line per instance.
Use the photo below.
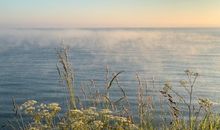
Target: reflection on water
(28, 61)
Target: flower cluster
(205, 103)
(44, 116)
(28, 106)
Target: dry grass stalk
(66, 73)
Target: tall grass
(104, 113)
(66, 74)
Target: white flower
(29, 110)
(90, 112)
(121, 119)
(105, 111)
(98, 124)
(76, 111)
(54, 107)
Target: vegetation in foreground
(106, 114)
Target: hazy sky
(109, 13)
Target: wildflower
(43, 106)
(98, 124)
(121, 119)
(54, 107)
(206, 103)
(167, 86)
(28, 104)
(31, 102)
(110, 117)
(90, 112)
(183, 83)
(105, 111)
(76, 111)
(78, 124)
(29, 110)
(45, 113)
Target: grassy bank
(107, 114)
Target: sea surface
(28, 59)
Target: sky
(109, 13)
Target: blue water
(28, 61)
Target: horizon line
(117, 27)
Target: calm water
(28, 61)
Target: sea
(28, 63)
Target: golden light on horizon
(112, 14)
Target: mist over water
(28, 61)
